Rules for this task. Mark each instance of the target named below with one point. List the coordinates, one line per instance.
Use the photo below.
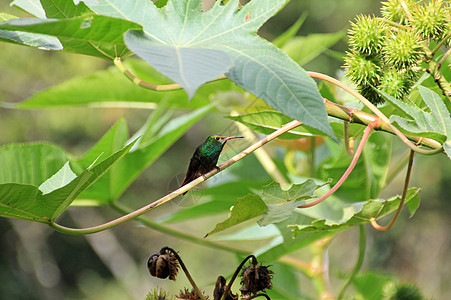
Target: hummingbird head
(220, 139)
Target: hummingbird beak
(232, 137)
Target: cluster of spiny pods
(255, 278)
(387, 54)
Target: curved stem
(358, 265)
(375, 110)
(188, 275)
(403, 198)
(179, 191)
(147, 85)
(235, 275)
(366, 134)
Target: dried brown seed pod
(255, 278)
(163, 265)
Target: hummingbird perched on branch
(206, 156)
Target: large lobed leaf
(258, 66)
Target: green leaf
(33, 7)
(63, 9)
(303, 49)
(281, 82)
(281, 203)
(94, 35)
(28, 39)
(362, 213)
(61, 178)
(285, 283)
(111, 88)
(413, 120)
(27, 202)
(30, 163)
(246, 208)
(190, 67)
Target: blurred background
(38, 263)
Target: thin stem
(375, 110)
(320, 260)
(358, 265)
(437, 47)
(235, 275)
(366, 134)
(179, 191)
(348, 144)
(147, 85)
(403, 198)
(445, 56)
(312, 156)
(188, 275)
(178, 234)
(393, 23)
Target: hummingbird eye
(217, 138)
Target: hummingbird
(206, 156)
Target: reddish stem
(366, 134)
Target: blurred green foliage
(38, 263)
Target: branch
(359, 263)
(179, 191)
(401, 203)
(147, 85)
(375, 110)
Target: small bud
(431, 21)
(186, 294)
(366, 35)
(163, 265)
(392, 10)
(256, 278)
(402, 50)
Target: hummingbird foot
(217, 168)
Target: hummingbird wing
(193, 168)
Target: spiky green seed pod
(407, 291)
(366, 35)
(431, 21)
(392, 10)
(402, 49)
(362, 70)
(371, 94)
(395, 83)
